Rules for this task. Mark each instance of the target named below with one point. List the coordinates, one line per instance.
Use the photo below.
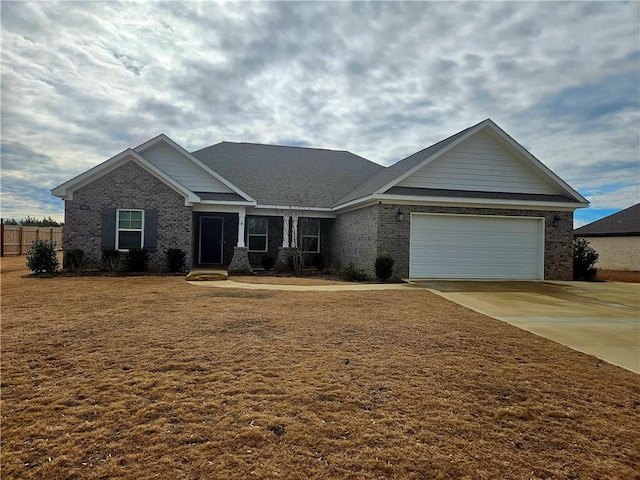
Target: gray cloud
(82, 81)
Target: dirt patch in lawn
(148, 377)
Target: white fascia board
(65, 191)
(239, 209)
(164, 138)
(301, 212)
(458, 202)
(479, 202)
(224, 202)
(295, 208)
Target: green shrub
(384, 267)
(318, 261)
(351, 273)
(137, 260)
(176, 259)
(267, 262)
(41, 257)
(74, 259)
(110, 260)
(584, 260)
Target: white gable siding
(183, 170)
(480, 163)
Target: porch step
(202, 275)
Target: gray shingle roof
(280, 175)
(624, 223)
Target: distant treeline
(33, 222)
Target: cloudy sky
(83, 81)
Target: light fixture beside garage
(399, 215)
(557, 221)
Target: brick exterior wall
(354, 238)
(128, 186)
(361, 235)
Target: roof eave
(453, 201)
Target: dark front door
(210, 240)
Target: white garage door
(470, 246)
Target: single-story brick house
(616, 238)
(474, 205)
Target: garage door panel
(462, 246)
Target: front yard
(150, 377)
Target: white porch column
(285, 231)
(241, 220)
(294, 231)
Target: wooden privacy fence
(16, 239)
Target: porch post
(285, 231)
(289, 228)
(241, 220)
(240, 262)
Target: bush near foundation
(352, 273)
(74, 259)
(110, 260)
(176, 259)
(384, 267)
(137, 260)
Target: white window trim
(118, 229)
(302, 237)
(265, 235)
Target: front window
(309, 235)
(130, 229)
(257, 228)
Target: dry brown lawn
(150, 377)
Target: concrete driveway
(601, 319)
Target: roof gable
(462, 146)
(288, 176)
(65, 191)
(623, 223)
(181, 165)
(481, 163)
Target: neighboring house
(475, 205)
(616, 238)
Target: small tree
(42, 257)
(584, 260)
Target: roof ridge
(280, 146)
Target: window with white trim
(129, 229)
(309, 231)
(257, 234)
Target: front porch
(238, 242)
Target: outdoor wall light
(400, 215)
(557, 221)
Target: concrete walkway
(600, 319)
(339, 287)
